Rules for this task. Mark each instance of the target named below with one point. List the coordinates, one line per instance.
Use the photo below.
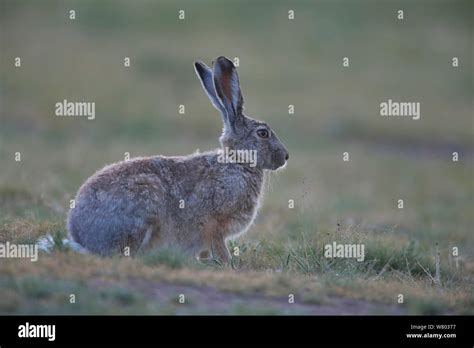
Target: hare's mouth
(279, 166)
(279, 160)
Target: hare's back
(131, 181)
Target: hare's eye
(263, 133)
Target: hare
(193, 203)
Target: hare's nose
(287, 156)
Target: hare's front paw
(204, 255)
(220, 252)
(207, 257)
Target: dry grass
(255, 273)
(336, 111)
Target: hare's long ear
(205, 76)
(226, 84)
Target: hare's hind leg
(137, 241)
(146, 238)
(150, 238)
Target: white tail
(47, 244)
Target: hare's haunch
(192, 203)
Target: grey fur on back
(192, 202)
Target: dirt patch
(210, 300)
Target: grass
(261, 269)
(336, 110)
(166, 257)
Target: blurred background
(282, 62)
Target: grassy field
(282, 62)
